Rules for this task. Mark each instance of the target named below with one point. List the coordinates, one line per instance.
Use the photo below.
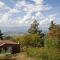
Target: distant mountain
(17, 30)
(13, 30)
(12, 33)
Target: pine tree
(51, 25)
(54, 30)
(36, 33)
(34, 28)
(1, 37)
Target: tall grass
(48, 52)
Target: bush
(51, 45)
(32, 40)
(42, 54)
(51, 42)
(48, 52)
(37, 53)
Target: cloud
(40, 2)
(14, 10)
(47, 20)
(38, 8)
(33, 11)
(3, 6)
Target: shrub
(30, 40)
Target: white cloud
(38, 7)
(14, 10)
(38, 1)
(27, 19)
(47, 20)
(1, 4)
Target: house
(9, 45)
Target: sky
(21, 13)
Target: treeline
(36, 38)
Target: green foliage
(48, 52)
(6, 56)
(32, 40)
(2, 50)
(37, 53)
(34, 27)
(51, 25)
(54, 33)
(51, 42)
(20, 40)
(8, 38)
(1, 37)
(54, 30)
(43, 53)
(35, 38)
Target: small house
(9, 45)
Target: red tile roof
(2, 42)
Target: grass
(42, 54)
(5, 56)
(33, 53)
(23, 56)
(18, 56)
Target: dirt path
(22, 56)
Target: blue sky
(55, 4)
(21, 13)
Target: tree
(54, 32)
(34, 27)
(51, 25)
(8, 38)
(37, 34)
(1, 35)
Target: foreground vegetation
(36, 45)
